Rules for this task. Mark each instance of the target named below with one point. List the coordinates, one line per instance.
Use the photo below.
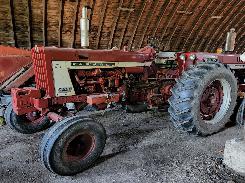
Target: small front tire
(26, 124)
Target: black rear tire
(22, 124)
(185, 107)
(72, 145)
(240, 116)
(233, 117)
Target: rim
(215, 101)
(79, 146)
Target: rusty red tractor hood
(15, 67)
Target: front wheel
(203, 98)
(72, 145)
(28, 123)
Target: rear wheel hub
(211, 100)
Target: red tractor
(203, 88)
(15, 71)
(204, 97)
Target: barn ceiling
(190, 25)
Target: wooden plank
(212, 27)
(44, 22)
(61, 8)
(102, 19)
(176, 24)
(125, 24)
(163, 10)
(137, 24)
(241, 47)
(193, 25)
(169, 19)
(240, 40)
(114, 25)
(74, 24)
(29, 14)
(11, 4)
(92, 12)
(148, 21)
(227, 23)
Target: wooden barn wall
(6, 27)
(176, 24)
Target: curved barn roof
(190, 25)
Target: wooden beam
(212, 26)
(29, 14)
(242, 50)
(125, 25)
(114, 25)
(148, 21)
(241, 47)
(240, 43)
(162, 10)
(192, 25)
(137, 24)
(201, 22)
(61, 9)
(232, 18)
(44, 22)
(92, 12)
(185, 15)
(102, 19)
(11, 4)
(169, 19)
(74, 24)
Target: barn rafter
(178, 25)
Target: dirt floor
(141, 148)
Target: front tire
(27, 124)
(72, 145)
(203, 98)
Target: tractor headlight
(192, 57)
(182, 56)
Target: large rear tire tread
(55, 140)
(186, 94)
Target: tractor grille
(42, 70)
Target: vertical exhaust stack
(84, 27)
(230, 41)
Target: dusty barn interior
(124, 91)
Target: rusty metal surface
(12, 60)
(9, 65)
(17, 82)
(7, 50)
(141, 55)
(102, 98)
